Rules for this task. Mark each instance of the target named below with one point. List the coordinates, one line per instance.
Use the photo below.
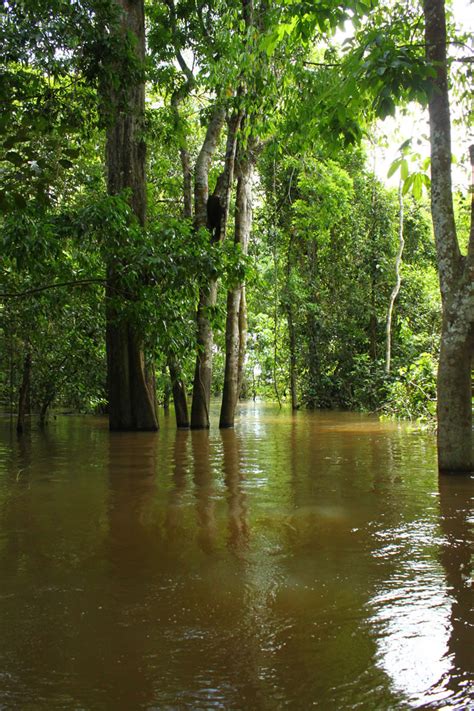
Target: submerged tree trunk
(208, 292)
(456, 273)
(130, 404)
(179, 394)
(398, 283)
(24, 395)
(236, 307)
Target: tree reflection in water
(457, 551)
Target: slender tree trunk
(208, 293)
(187, 183)
(456, 273)
(45, 405)
(179, 394)
(235, 325)
(242, 337)
(398, 283)
(292, 344)
(313, 326)
(167, 390)
(130, 404)
(291, 329)
(24, 395)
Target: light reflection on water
(305, 561)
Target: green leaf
(394, 167)
(404, 169)
(417, 186)
(407, 185)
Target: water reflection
(181, 461)
(203, 478)
(236, 497)
(457, 551)
(292, 562)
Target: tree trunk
(456, 273)
(150, 377)
(130, 404)
(314, 369)
(44, 409)
(398, 283)
(179, 394)
(208, 293)
(235, 329)
(242, 337)
(292, 344)
(166, 396)
(454, 404)
(291, 327)
(24, 395)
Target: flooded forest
(236, 340)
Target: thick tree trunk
(456, 273)
(235, 350)
(208, 293)
(454, 404)
(24, 395)
(130, 404)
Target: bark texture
(456, 273)
(130, 405)
(236, 308)
(208, 292)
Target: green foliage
(321, 263)
(412, 395)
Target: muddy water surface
(301, 562)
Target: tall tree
(456, 271)
(235, 335)
(131, 406)
(208, 292)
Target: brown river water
(307, 561)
